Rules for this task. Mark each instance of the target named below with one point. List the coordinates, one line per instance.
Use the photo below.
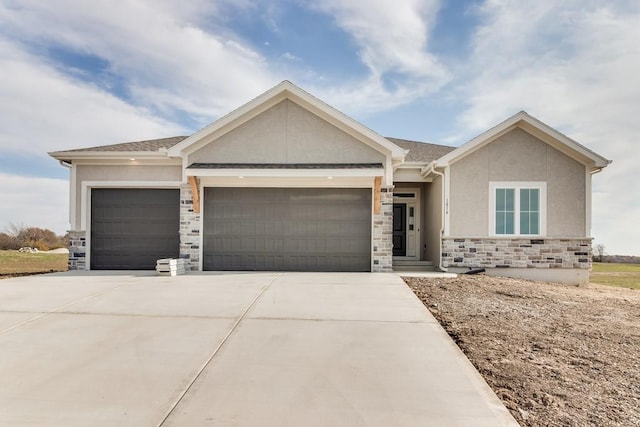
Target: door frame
(412, 198)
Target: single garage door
(132, 228)
(287, 229)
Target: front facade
(288, 183)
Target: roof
(285, 166)
(422, 151)
(418, 151)
(137, 146)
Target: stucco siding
(566, 202)
(121, 173)
(286, 133)
(517, 157)
(468, 201)
(260, 140)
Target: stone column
(383, 233)
(189, 230)
(77, 250)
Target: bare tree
(599, 250)
(15, 229)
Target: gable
(518, 156)
(537, 129)
(286, 133)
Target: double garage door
(287, 229)
(277, 229)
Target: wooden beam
(195, 193)
(376, 195)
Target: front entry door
(399, 229)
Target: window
(517, 208)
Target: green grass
(14, 262)
(622, 275)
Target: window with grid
(517, 209)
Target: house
(286, 182)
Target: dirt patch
(556, 355)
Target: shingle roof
(285, 166)
(418, 151)
(422, 151)
(147, 145)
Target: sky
(82, 73)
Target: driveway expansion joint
(59, 309)
(217, 349)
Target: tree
(599, 250)
(8, 241)
(18, 236)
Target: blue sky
(79, 74)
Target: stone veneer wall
(516, 253)
(383, 233)
(189, 230)
(77, 250)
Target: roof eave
(105, 155)
(414, 164)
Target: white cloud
(393, 42)
(34, 202)
(49, 111)
(161, 49)
(572, 64)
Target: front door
(399, 229)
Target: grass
(14, 262)
(622, 275)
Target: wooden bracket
(195, 193)
(376, 194)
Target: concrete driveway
(263, 349)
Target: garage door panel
(287, 229)
(132, 228)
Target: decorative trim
(376, 194)
(195, 194)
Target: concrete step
(412, 265)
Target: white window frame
(517, 186)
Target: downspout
(429, 169)
(65, 164)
